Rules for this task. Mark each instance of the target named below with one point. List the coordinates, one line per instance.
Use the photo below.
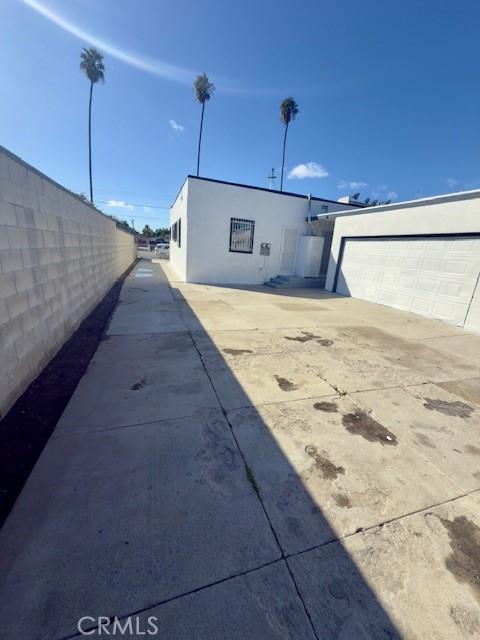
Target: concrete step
(295, 282)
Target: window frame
(251, 227)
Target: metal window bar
(241, 235)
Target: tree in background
(203, 91)
(147, 232)
(91, 63)
(288, 111)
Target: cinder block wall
(58, 258)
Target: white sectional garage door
(433, 276)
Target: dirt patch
(342, 501)
(285, 384)
(471, 448)
(138, 385)
(26, 428)
(467, 619)
(361, 424)
(236, 352)
(307, 336)
(425, 441)
(456, 409)
(464, 561)
(326, 467)
(328, 407)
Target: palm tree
(288, 111)
(91, 63)
(203, 91)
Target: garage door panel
(435, 277)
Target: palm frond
(203, 88)
(288, 110)
(91, 63)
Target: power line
(132, 204)
(135, 217)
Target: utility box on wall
(265, 249)
(309, 256)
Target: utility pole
(133, 224)
(271, 178)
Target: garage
(433, 275)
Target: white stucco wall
(58, 258)
(178, 255)
(450, 214)
(206, 230)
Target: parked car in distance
(162, 250)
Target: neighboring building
(228, 233)
(421, 256)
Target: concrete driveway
(250, 463)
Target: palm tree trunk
(90, 141)
(283, 156)
(200, 140)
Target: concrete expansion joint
(380, 525)
(257, 491)
(159, 603)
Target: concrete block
(24, 344)
(4, 166)
(18, 238)
(4, 244)
(17, 304)
(9, 332)
(17, 172)
(4, 314)
(10, 260)
(35, 182)
(7, 285)
(30, 257)
(24, 279)
(9, 191)
(7, 214)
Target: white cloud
(146, 209)
(391, 195)
(119, 204)
(178, 128)
(354, 184)
(308, 170)
(452, 182)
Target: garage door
(433, 276)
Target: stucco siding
(210, 207)
(443, 217)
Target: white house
(421, 256)
(228, 233)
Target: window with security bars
(241, 235)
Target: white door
(435, 277)
(289, 252)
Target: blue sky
(389, 95)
